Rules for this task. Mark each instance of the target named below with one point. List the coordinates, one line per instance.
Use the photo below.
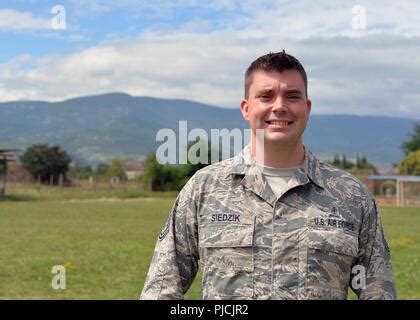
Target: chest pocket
(226, 254)
(331, 254)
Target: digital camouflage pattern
(251, 245)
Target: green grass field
(106, 241)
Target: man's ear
(245, 109)
(309, 106)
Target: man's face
(277, 103)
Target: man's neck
(279, 156)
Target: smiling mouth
(279, 123)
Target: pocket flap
(336, 241)
(226, 235)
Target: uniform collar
(244, 165)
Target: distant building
(387, 171)
(134, 170)
(396, 190)
(18, 173)
(7, 156)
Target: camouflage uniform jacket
(251, 245)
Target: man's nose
(279, 105)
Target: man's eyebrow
(264, 90)
(294, 91)
(265, 87)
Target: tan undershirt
(278, 178)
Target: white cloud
(372, 75)
(328, 18)
(302, 19)
(18, 20)
(358, 72)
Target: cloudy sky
(362, 57)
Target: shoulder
(344, 191)
(336, 180)
(210, 176)
(210, 179)
(217, 171)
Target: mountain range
(98, 128)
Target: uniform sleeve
(374, 260)
(174, 264)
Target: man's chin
(277, 138)
(280, 141)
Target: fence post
(92, 181)
(139, 183)
(402, 193)
(38, 185)
(2, 186)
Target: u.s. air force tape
(165, 230)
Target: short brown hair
(278, 61)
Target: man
(277, 223)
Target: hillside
(98, 128)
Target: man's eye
(294, 97)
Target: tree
(358, 162)
(3, 167)
(359, 167)
(3, 172)
(414, 144)
(102, 169)
(45, 162)
(346, 164)
(116, 169)
(364, 164)
(336, 161)
(165, 177)
(161, 177)
(194, 149)
(80, 172)
(410, 165)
